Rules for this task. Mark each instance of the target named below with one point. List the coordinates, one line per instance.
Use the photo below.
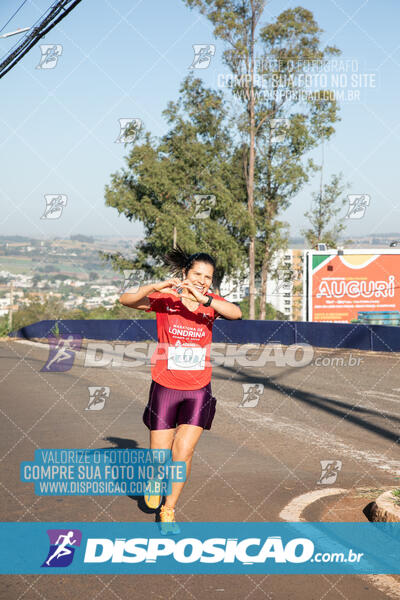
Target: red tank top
(181, 360)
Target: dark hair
(178, 259)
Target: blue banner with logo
(212, 548)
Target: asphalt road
(255, 460)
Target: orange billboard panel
(341, 285)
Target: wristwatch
(210, 298)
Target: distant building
(284, 291)
(284, 284)
(234, 290)
(4, 305)
(76, 283)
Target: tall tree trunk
(263, 294)
(250, 207)
(217, 280)
(250, 179)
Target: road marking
(36, 344)
(315, 437)
(383, 395)
(292, 511)
(81, 355)
(386, 584)
(384, 413)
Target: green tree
(162, 179)
(235, 21)
(325, 226)
(118, 311)
(38, 310)
(271, 313)
(280, 120)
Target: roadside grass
(396, 494)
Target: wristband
(210, 298)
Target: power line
(11, 18)
(57, 11)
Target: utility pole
(174, 239)
(11, 305)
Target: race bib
(184, 358)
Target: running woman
(180, 403)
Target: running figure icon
(63, 544)
(62, 353)
(62, 549)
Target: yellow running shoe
(154, 500)
(167, 520)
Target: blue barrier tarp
(384, 339)
(334, 335)
(324, 335)
(93, 329)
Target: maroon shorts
(168, 408)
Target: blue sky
(126, 59)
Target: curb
(384, 509)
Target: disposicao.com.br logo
(200, 547)
(212, 550)
(137, 354)
(243, 548)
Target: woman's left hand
(193, 291)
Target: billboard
(340, 283)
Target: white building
(283, 272)
(279, 283)
(234, 289)
(4, 306)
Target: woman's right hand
(169, 286)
